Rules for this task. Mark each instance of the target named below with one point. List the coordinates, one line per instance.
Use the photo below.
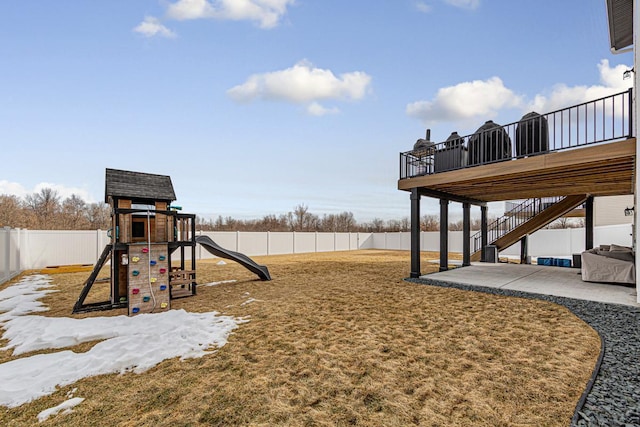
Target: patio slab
(556, 281)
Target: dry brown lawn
(339, 339)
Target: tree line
(301, 219)
(46, 210)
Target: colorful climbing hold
(163, 270)
(146, 298)
(164, 305)
(135, 272)
(135, 310)
(162, 257)
(154, 280)
(135, 259)
(163, 287)
(145, 250)
(135, 291)
(152, 262)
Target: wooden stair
(545, 217)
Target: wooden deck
(605, 169)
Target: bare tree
(98, 216)
(430, 223)
(377, 225)
(73, 214)
(303, 220)
(45, 205)
(12, 212)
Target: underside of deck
(598, 170)
(575, 175)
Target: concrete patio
(556, 281)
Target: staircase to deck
(526, 218)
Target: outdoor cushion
(621, 255)
(606, 269)
(618, 248)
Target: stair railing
(512, 219)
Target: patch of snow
(221, 263)
(217, 283)
(22, 298)
(249, 301)
(65, 407)
(128, 343)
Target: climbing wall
(148, 290)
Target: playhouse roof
(138, 186)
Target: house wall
(610, 210)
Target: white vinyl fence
(9, 253)
(32, 249)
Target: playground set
(149, 238)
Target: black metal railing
(512, 219)
(603, 120)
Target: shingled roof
(138, 186)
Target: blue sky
(255, 106)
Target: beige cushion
(618, 248)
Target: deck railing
(602, 120)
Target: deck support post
(466, 234)
(415, 234)
(484, 233)
(588, 232)
(524, 249)
(444, 234)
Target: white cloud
(303, 84)
(562, 96)
(152, 27)
(423, 7)
(12, 188)
(464, 4)
(483, 99)
(17, 189)
(465, 101)
(316, 109)
(266, 12)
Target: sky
(254, 107)
(127, 344)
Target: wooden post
(444, 234)
(588, 232)
(524, 249)
(484, 233)
(466, 234)
(415, 233)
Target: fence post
(7, 256)
(294, 242)
(19, 250)
(268, 242)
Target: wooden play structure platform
(148, 238)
